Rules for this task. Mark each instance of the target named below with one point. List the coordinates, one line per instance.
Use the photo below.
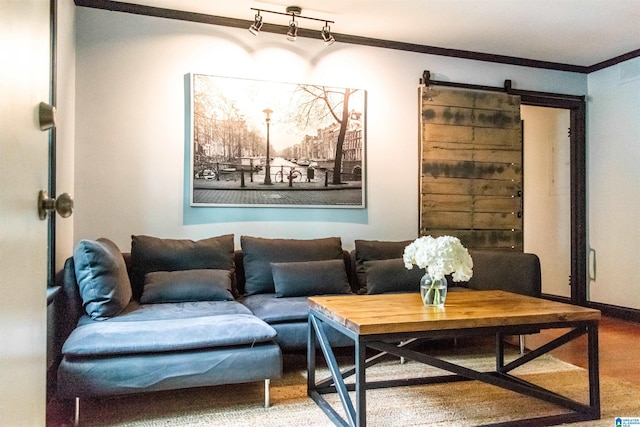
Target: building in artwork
(321, 148)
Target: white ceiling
(575, 32)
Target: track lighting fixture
(292, 31)
(257, 24)
(326, 35)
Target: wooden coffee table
(378, 321)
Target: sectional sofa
(180, 313)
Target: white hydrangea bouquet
(439, 256)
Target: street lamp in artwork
(267, 168)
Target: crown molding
(351, 39)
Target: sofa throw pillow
(149, 254)
(102, 278)
(259, 253)
(390, 276)
(297, 279)
(375, 250)
(187, 285)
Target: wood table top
(397, 313)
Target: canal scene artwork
(261, 143)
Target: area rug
(468, 403)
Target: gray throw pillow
(149, 254)
(297, 279)
(259, 253)
(390, 276)
(187, 285)
(375, 250)
(102, 278)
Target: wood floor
(619, 345)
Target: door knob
(63, 205)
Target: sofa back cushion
(517, 272)
(375, 250)
(391, 276)
(102, 278)
(308, 278)
(259, 253)
(149, 254)
(187, 286)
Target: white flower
(440, 256)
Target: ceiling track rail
(426, 80)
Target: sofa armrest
(68, 302)
(515, 272)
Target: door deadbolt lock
(63, 205)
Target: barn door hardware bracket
(426, 78)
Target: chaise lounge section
(163, 317)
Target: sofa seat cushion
(138, 373)
(169, 335)
(180, 310)
(278, 310)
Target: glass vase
(433, 292)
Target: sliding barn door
(471, 167)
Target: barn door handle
(63, 205)
(520, 207)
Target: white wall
(547, 194)
(130, 125)
(613, 119)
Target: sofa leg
(76, 412)
(267, 382)
(522, 344)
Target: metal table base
(356, 412)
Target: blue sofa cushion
(296, 279)
(102, 278)
(259, 253)
(177, 310)
(150, 254)
(390, 275)
(187, 285)
(156, 336)
(278, 310)
(375, 250)
(517, 272)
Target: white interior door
(547, 191)
(24, 83)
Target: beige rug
(457, 404)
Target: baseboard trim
(624, 313)
(618, 312)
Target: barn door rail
(427, 81)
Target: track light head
(292, 33)
(326, 35)
(257, 24)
